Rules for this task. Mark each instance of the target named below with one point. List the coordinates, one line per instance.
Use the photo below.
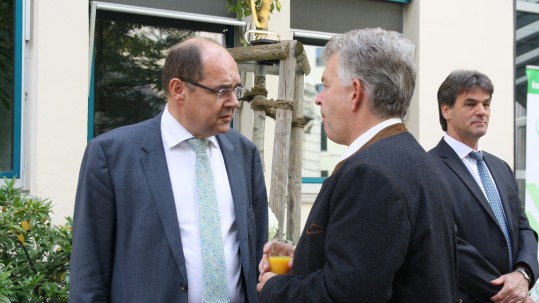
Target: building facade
(72, 77)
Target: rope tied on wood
(299, 122)
(269, 107)
(255, 91)
(262, 104)
(284, 104)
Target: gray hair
(383, 61)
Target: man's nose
(482, 109)
(232, 101)
(318, 99)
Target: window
(323, 139)
(319, 56)
(10, 86)
(129, 52)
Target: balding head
(185, 60)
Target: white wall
(57, 105)
(463, 34)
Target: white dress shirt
(462, 151)
(366, 136)
(181, 167)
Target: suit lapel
(156, 169)
(452, 160)
(233, 164)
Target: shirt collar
(460, 148)
(174, 133)
(365, 137)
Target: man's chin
(223, 128)
(480, 133)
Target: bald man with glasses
(173, 209)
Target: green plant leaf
(38, 270)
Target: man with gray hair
(381, 228)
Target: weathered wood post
(293, 228)
(281, 147)
(287, 110)
(259, 123)
(259, 104)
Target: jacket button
(183, 287)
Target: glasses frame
(222, 93)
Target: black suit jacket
(126, 238)
(380, 230)
(482, 248)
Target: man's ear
(445, 109)
(356, 94)
(176, 88)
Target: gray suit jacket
(126, 238)
(482, 249)
(380, 230)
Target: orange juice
(279, 264)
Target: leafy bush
(34, 253)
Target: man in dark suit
(137, 233)
(381, 228)
(497, 249)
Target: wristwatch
(524, 272)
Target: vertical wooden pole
(259, 123)
(281, 147)
(294, 171)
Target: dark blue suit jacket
(380, 230)
(482, 248)
(126, 238)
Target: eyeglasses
(224, 94)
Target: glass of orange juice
(280, 256)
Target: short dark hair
(458, 82)
(184, 61)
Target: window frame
(140, 11)
(15, 172)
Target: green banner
(533, 80)
(532, 154)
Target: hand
(515, 288)
(264, 265)
(263, 279)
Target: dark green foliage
(128, 71)
(34, 253)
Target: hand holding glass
(279, 256)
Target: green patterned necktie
(494, 200)
(213, 257)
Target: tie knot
(199, 145)
(477, 156)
